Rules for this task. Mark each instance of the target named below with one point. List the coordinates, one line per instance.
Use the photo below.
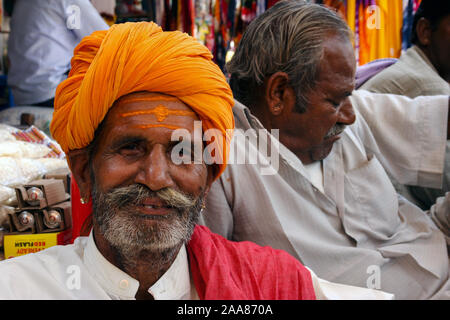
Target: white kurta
(414, 75)
(358, 231)
(79, 271)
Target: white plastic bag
(22, 149)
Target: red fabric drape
(80, 212)
(226, 270)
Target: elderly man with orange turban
(129, 90)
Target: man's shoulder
(41, 275)
(242, 250)
(254, 272)
(46, 260)
(411, 75)
(390, 79)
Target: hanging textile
(407, 23)
(392, 25)
(338, 5)
(376, 24)
(409, 9)
(159, 11)
(204, 23)
(381, 28)
(271, 3)
(248, 12)
(260, 7)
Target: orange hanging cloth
(380, 30)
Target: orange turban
(134, 57)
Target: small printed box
(55, 218)
(41, 193)
(20, 244)
(23, 221)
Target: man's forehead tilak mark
(161, 112)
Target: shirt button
(123, 284)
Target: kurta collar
(173, 285)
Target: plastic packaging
(6, 193)
(22, 149)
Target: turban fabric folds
(133, 57)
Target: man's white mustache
(136, 194)
(335, 130)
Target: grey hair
(288, 38)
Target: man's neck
(144, 266)
(262, 116)
(431, 57)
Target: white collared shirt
(79, 271)
(315, 174)
(175, 283)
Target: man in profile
(330, 203)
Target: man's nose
(346, 113)
(154, 171)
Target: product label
(20, 244)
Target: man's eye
(131, 148)
(335, 104)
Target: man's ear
(279, 94)
(212, 171)
(423, 30)
(79, 166)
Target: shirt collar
(174, 284)
(424, 57)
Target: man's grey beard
(126, 230)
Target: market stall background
(381, 27)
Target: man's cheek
(191, 179)
(110, 177)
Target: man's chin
(318, 154)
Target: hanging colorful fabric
(408, 14)
(248, 12)
(260, 7)
(338, 5)
(390, 33)
(271, 3)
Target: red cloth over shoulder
(227, 270)
(81, 213)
